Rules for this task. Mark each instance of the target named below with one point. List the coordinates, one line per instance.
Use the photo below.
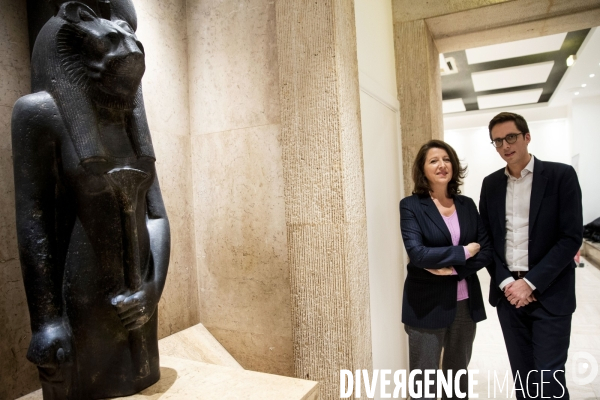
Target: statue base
(193, 365)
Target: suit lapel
(498, 200)
(538, 187)
(433, 213)
(463, 218)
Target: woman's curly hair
(420, 180)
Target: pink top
(462, 292)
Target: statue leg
(57, 383)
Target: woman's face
(438, 168)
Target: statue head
(103, 55)
(107, 9)
(88, 56)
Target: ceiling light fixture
(576, 93)
(583, 84)
(447, 65)
(571, 60)
(592, 75)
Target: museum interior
(284, 133)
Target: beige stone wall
(473, 26)
(161, 28)
(17, 375)
(410, 10)
(239, 207)
(419, 91)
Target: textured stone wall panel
(17, 375)
(356, 254)
(435, 89)
(410, 10)
(241, 240)
(233, 64)
(419, 91)
(242, 246)
(162, 30)
(324, 189)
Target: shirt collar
(527, 170)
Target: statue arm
(35, 187)
(160, 237)
(36, 175)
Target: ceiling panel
(452, 106)
(517, 48)
(520, 75)
(512, 74)
(509, 98)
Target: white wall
(383, 180)
(550, 141)
(585, 130)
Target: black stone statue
(93, 233)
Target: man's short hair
(508, 116)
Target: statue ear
(75, 12)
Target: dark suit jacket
(429, 300)
(555, 233)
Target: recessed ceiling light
(592, 75)
(583, 84)
(576, 93)
(570, 60)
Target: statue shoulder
(36, 115)
(35, 105)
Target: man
(532, 211)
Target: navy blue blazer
(429, 300)
(555, 233)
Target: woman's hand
(473, 248)
(442, 271)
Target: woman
(447, 244)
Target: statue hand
(50, 346)
(135, 310)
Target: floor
(489, 352)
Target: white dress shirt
(518, 199)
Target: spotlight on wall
(571, 60)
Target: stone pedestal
(197, 344)
(186, 379)
(193, 365)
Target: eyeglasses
(510, 139)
